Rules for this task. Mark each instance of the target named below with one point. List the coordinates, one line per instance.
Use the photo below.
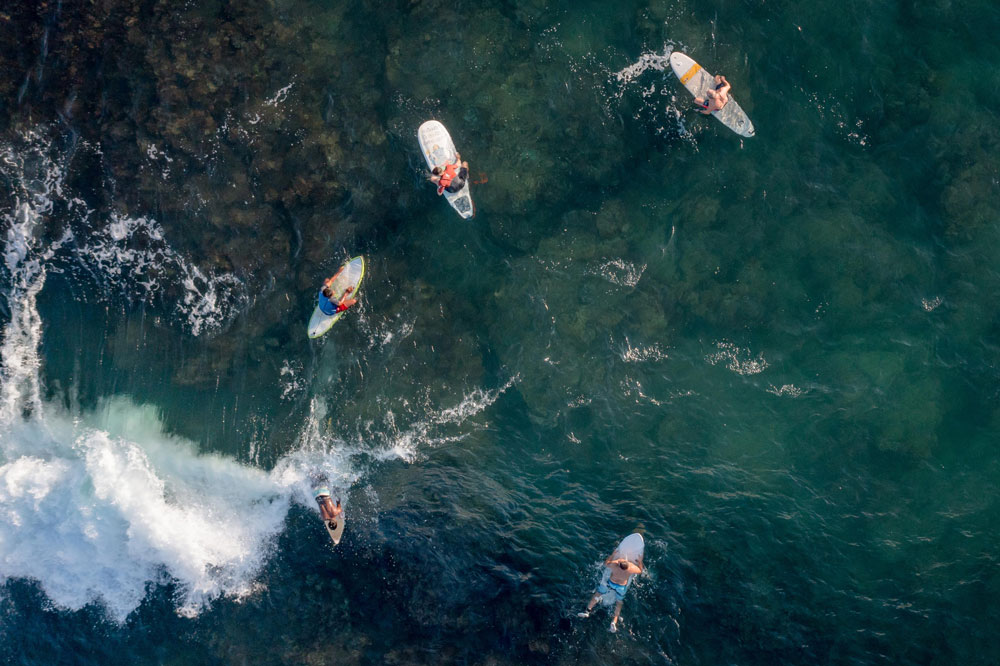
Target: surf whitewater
(97, 504)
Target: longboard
(699, 82)
(338, 531)
(439, 150)
(631, 548)
(353, 273)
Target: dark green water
(775, 357)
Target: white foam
(94, 515)
(100, 506)
(96, 506)
(785, 389)
(931, 304)
(134, 248)
(660, 99)
(124, 254)
(641, 354)
(620, 272)
(432, 429)
(741, 361)
(656, 61)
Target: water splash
(931, 304)
(660, 100)
(124, 255)
(641, 354)
(435, 427)
(740, 361)
(100, 506)
(94, 506)
(135, 249)
(785, 389)
(656, 61)
(620, 272)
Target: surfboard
(439, 150)
(698, 82)
(631, 548)
(338, 531)
(353, 273)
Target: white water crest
(95, 506)
(100, 506)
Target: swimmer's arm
(329, 281)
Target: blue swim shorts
(606, 586)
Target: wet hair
(327, 292)
(437, 171)
(623, 564)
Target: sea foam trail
(659, 95)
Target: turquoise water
(775, 357)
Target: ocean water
(777, 358)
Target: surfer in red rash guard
(452, 177)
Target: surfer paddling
(451, 177)
(716, 98)
(326, 303)
(620, 572)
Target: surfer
(328, 510)
(620, 573)
(716, 98)
(326, 303)
(451, 177)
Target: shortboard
(699, 82)
(631, 548)
(439, 150)
(351, 275)
(338, 531)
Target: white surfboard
(631, 548)
(698, 82)
(439, 150)
(334, 532)
(351, 275)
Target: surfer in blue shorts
(716, 98)
(620, 573)
(326, 304)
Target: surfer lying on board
(621, 572)
(715, 99)
(452, 177)
(326, 303)
(329, 511)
